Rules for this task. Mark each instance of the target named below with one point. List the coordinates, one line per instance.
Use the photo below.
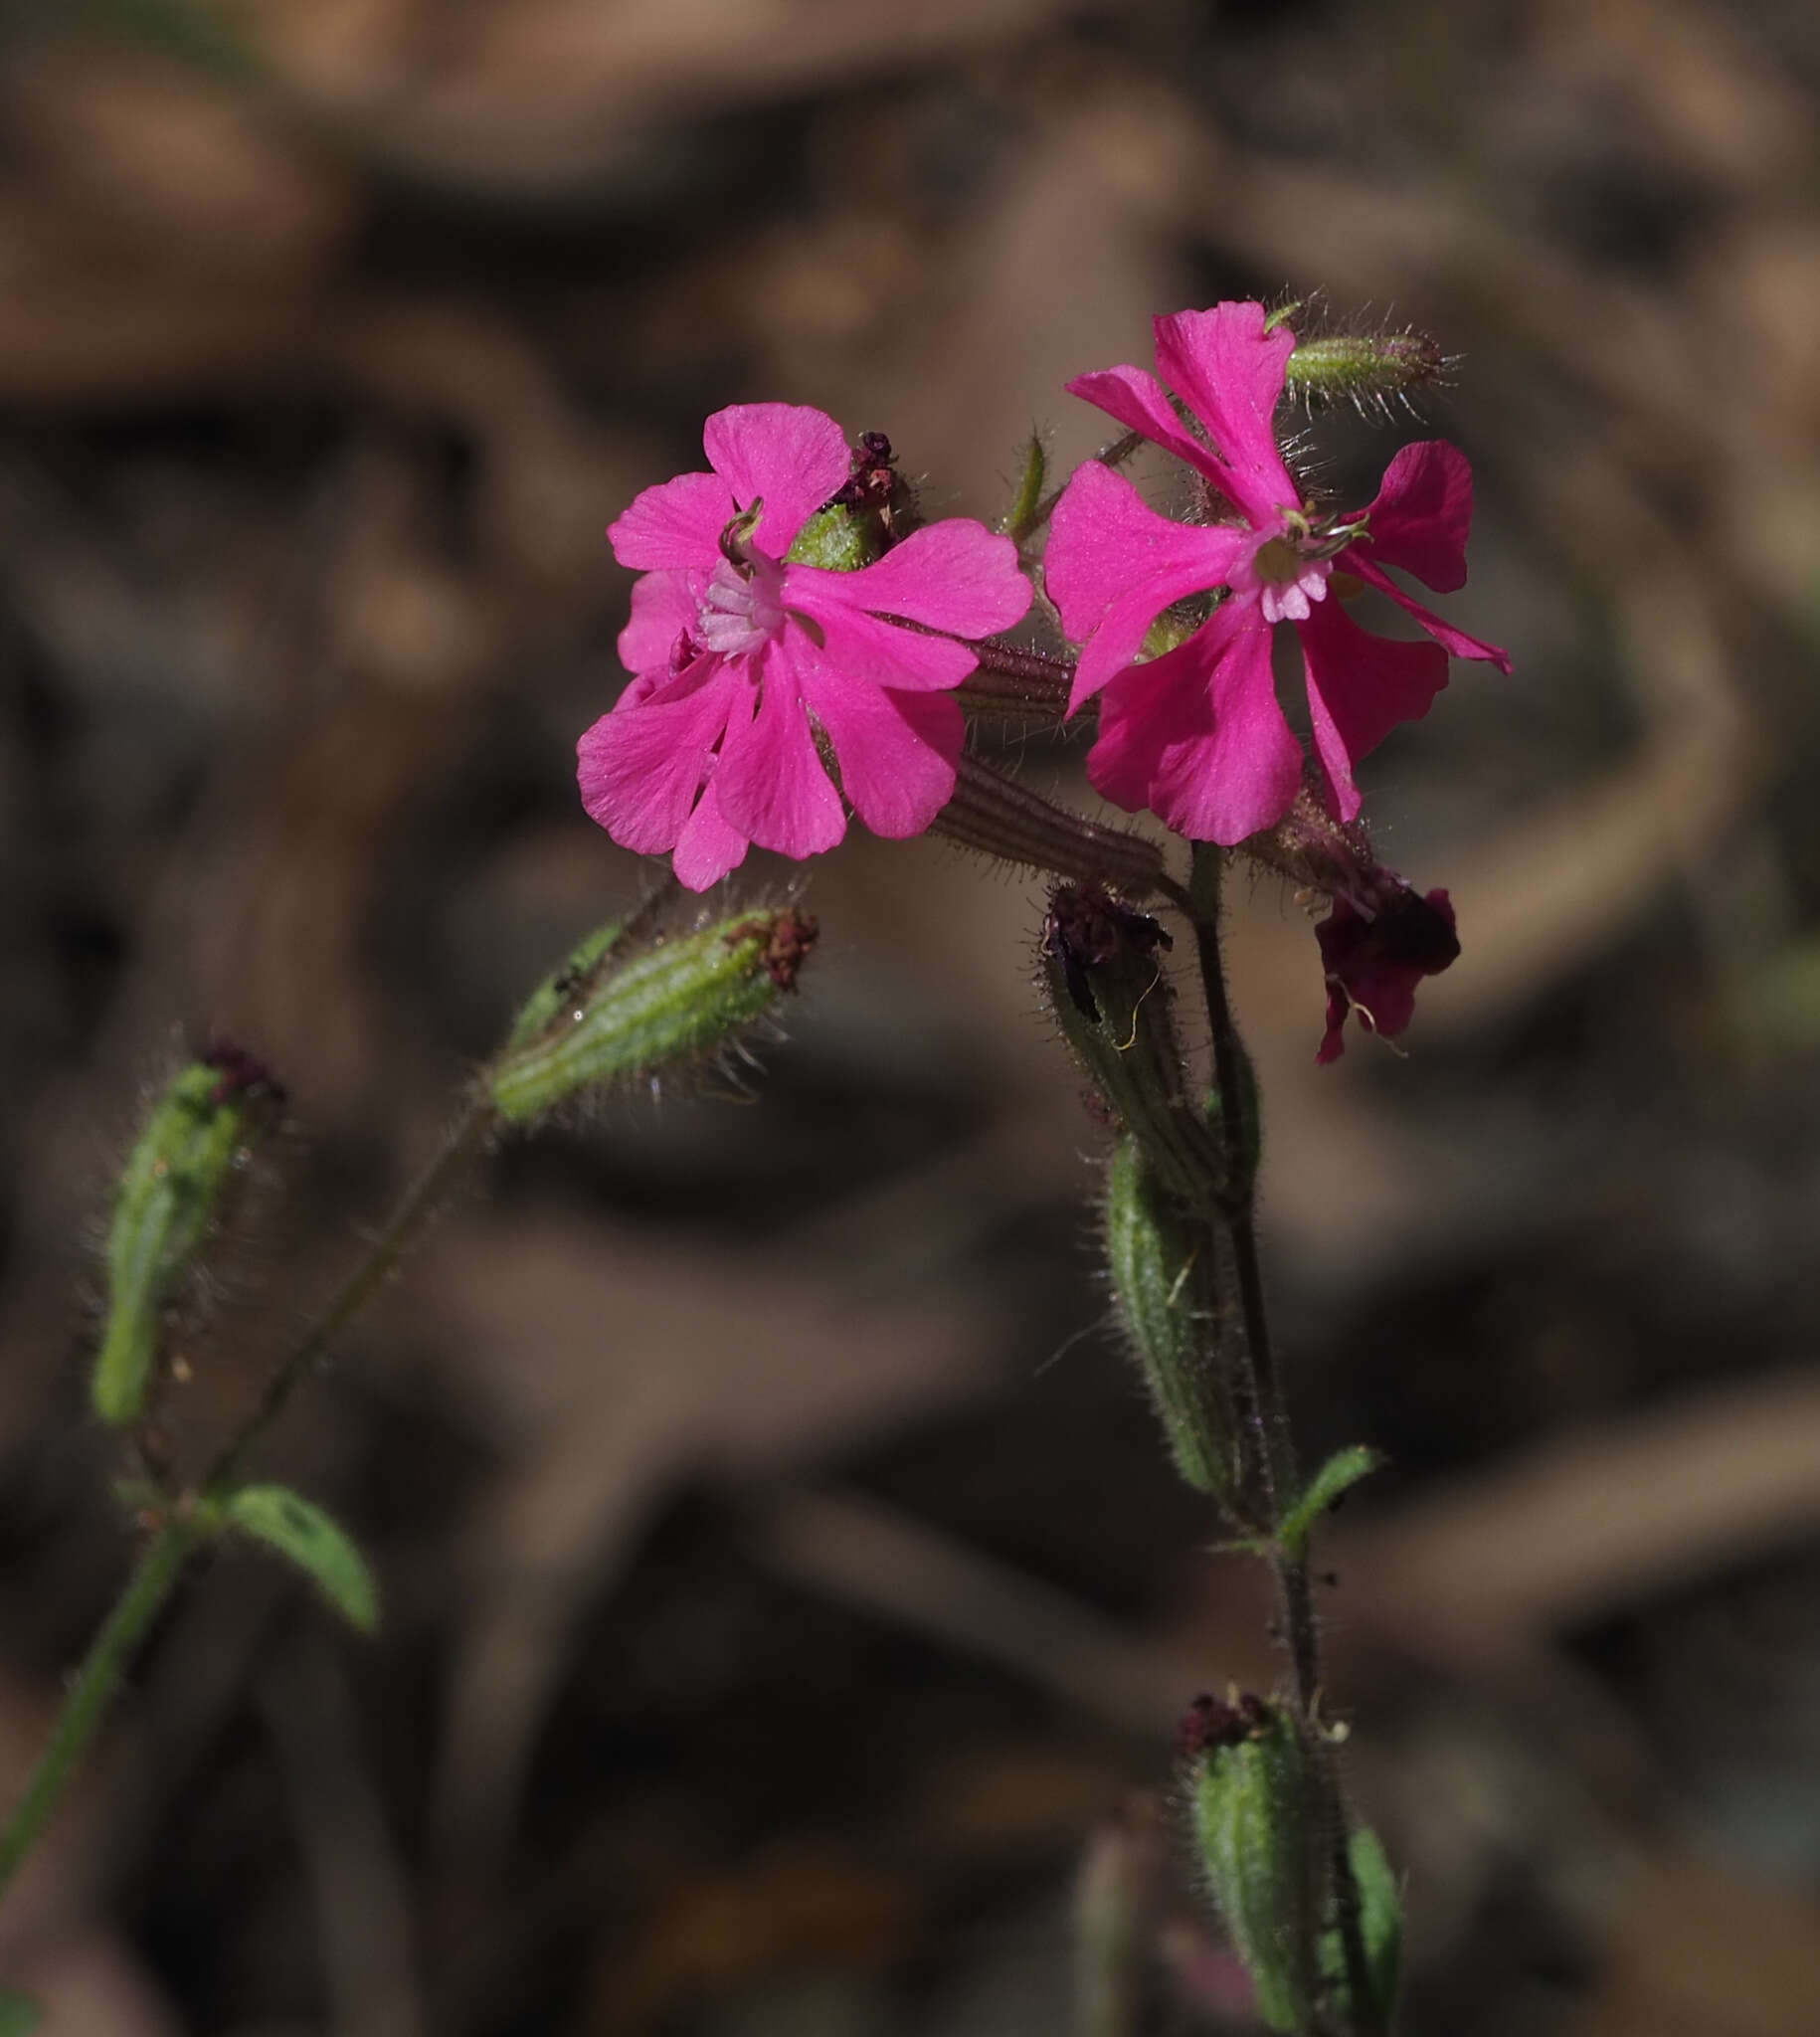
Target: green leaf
(313, 1540)
(1380, 1926)
(19, 2016)
(1343, 1469)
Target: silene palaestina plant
(802, 648)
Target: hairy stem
(192, 1517)
(92, 1689)
(1272, 1444)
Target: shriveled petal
(955, 575)
(1360, 687)
(1423, 514)
(708, 847)
(1196, 735)
(1114, 565)
(1374, 965)
(1229, 371)
(897, 751)
(663, 605)
(1456, 642)
(641, 767)
(769, 782)
(879, 651)
(1138, 402)
(785, 454)
(676, 523)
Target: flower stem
(1272, 1444)
(420, 1201)
(154, 1577)
(193, 1517)
(191, 1523)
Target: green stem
(422, 1200)
(195, 1516)
(153, 1579)
(1273, 1446)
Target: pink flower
(1197, 734)
(1375, 959)
(743, 661)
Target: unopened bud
(990, 812)
(193, 1144)
(1102, 967)
(1366, 368)
(677, 1000)
(1166, 1295)
(1247, 1791)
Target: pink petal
(770, 783)
(663, 605)
(1360, 687)
(955, 575)
(1424, 513)
(867, 649)
(676, 523)
(1138, 402)
(1114, 565)
(708, 847)
(897, 751)
(1196, 735)
(1229, 371)
(1456, 642)
(641, 767)
(786, 454)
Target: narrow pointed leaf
(315, 1542)
(1345, 1468)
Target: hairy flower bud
(193, 1145)
(1166, 1295)
(1247, 1791)
(1366, 368)
(680, 999)
(1102, 968)
(991, 814)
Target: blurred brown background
(783, 1579)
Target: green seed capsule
(1248, 1801)
(1366, 367)
(1165, 1293)
(193, 1145)
(677, 1000)
(560, 990)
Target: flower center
(742, 608)
(1289, 581)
